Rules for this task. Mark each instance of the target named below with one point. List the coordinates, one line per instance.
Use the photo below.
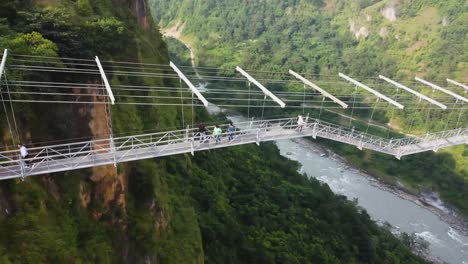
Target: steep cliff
(89, 215)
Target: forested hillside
(396, 38)
(324, 37)
(239, 205)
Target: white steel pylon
(189, 84)
(365, 87)
(458, 84)
(259, 85)
(316, 87)
(104, 79)
(2, 64)
(436, 87)
(421, 96)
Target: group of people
(202, 130)
(217, 132)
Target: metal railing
(62, 157)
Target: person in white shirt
(300, 122)
(24, 153)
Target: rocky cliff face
(142, 13)
(109, 186)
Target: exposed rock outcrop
(358, 31)
(390, 13)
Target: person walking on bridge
(217, 133)
(300, 122)
(24, 154)
(230, 130)
(202, 131)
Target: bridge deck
(49, 159)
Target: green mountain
(239, 205)
(396, 38)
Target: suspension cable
(427, 120)
(391, 116)
(8, 119)
(182, 104)
(450, 116)
(168, 89)
(321, 107)
(175, 104)
(164, 66)
(414, 117)
(172, 97)
(372, 116)
(108, 110)
(11, 106)
(304, 101)
(193, 114)
(184, 90)
(460, 114)
(263, 108)
(352, 109)
(248, 109)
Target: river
(404, 215)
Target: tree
(32, 44)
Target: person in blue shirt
(230, 130)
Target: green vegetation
(263, 211)
(239, 205)
(178, 53)
(360, 38)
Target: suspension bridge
(47, 159)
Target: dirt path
(176, 33)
